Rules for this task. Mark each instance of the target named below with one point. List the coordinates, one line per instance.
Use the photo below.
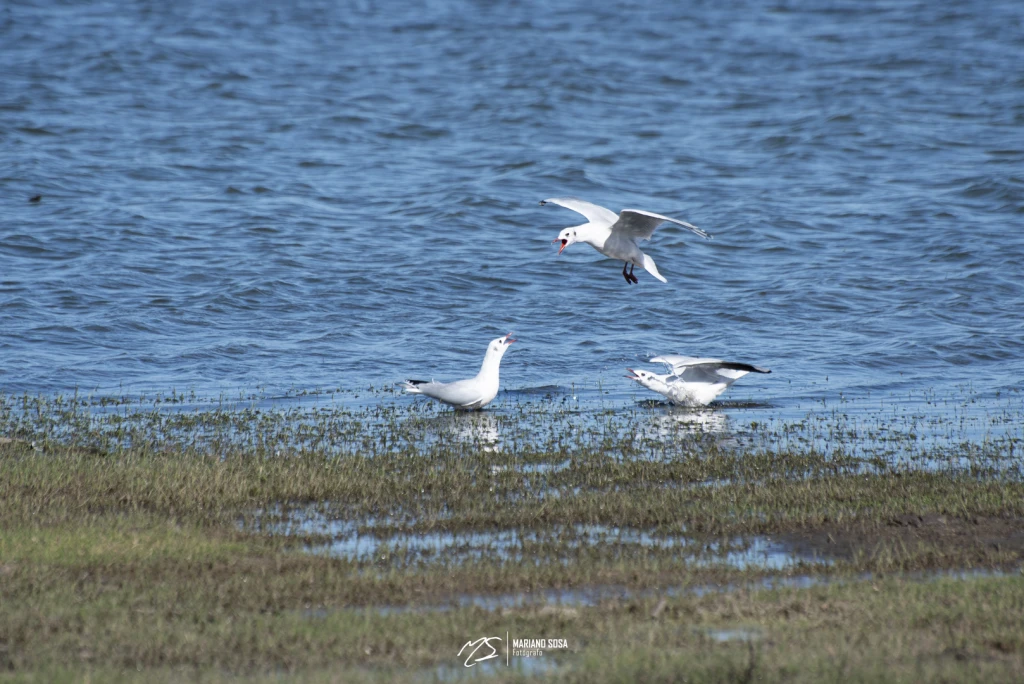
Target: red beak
(634, 376)
(509, 340)
(564, 243)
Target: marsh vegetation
(336, 540)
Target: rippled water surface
(314, 194)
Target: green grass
(140, 543)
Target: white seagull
(693, 381)
(468, 394)
(616, 236)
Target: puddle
(560, 543)
(740, 634)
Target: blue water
(315, 194)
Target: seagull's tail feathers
(652, 269)
(413, 385)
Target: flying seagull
(616, 236)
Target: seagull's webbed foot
(630, 278)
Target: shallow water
(357, 542)
(267, 198)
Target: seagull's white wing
(726, 370)
(709, 373)
(640, 225)
(677, 363)
(593, 212)
(460, 393)
(741, 367)
(714, 373)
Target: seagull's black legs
(630, 278)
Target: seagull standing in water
(473, 393)
(616, 236)
(693, 381)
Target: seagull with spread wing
(616, 236)
(693, 381)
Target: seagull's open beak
(634, 376)
(564, 243)
(509, 340)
